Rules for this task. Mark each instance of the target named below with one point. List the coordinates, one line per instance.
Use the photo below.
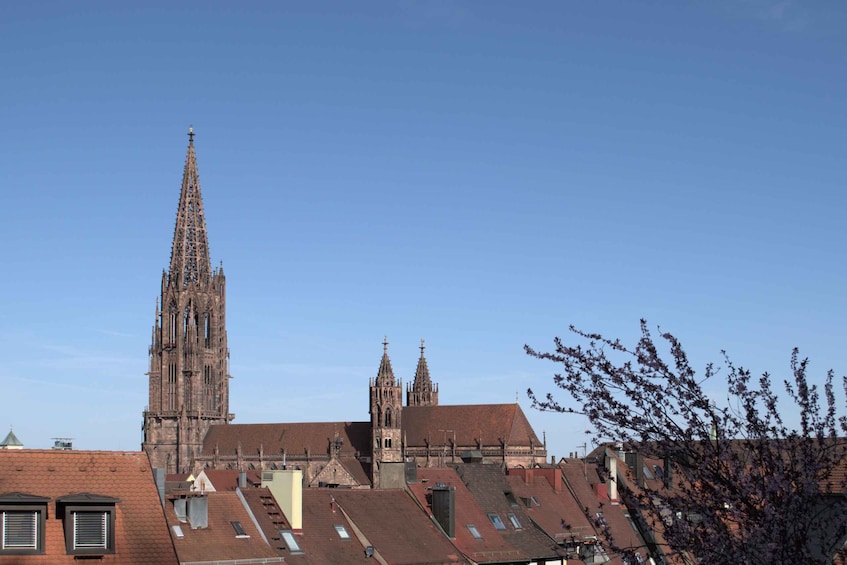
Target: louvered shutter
(20, 529)
(91, 530)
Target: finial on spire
(191, 135)
(385, 344)
(423, 341)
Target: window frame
(20, 502)
(342, 532)
(290, 542)
(497, 521)
(69, 506)
(474, 531)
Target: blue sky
(480, 175)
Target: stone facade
(189, 357)
(187, 424)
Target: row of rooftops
(465, 513)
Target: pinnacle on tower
(190, 251)
(422, 380)
(385, 375)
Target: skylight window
(239, 530)
(288, 538)
(514, 520)
(342, 531)
(178, 532)
(498, 523)
(474, 532)
(534, 501)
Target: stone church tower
(386, 409)
(189, 371)
(422, 392)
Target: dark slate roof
(492, 548)
(141, 532)
(295, 438)
(488, 485)
(11, 440)
(218, 541)
(494, 423)
(392, 522)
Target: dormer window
(89, 523)
(22, 519)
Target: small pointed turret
(11, 441)
(385, 375)
(422, 392)
(190, 250)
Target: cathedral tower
(386, 408)
(422, 392)
(189, 371)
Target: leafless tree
(746, 487)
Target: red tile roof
(557, 513)
(585, 491)
(492, 547)
(488, 485)
(296, 438)
(218, 541)
(492, 423)
(392, 522)
(320, 541)
(225, 479)
(141, 533)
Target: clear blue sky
(478, 174)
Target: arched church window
(388, 417)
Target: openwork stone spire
(385, 375)
(422, 381)
(190, 251)
(189, 356)
(422, 392)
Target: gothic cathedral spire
(189, 357)
(422, 392)
(386, 409)
(190, 250)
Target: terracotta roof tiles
(141, 532)
(296, 439)
(490, 423)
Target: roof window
(474, 532)
(342, 531)
(288, 538)
(514, 520)
(498, 523)
(239, 530)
